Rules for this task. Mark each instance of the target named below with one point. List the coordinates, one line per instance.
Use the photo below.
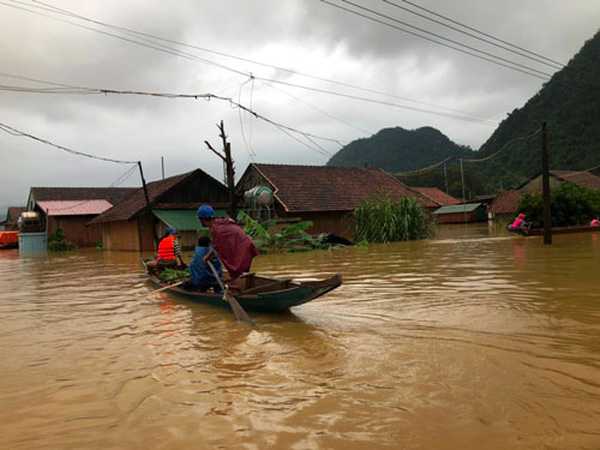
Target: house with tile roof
(439, 197)
(507, 202)
(12, 216)
(325, 195)
(72, 208)
(135, 225)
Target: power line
(15, 132)
(529, 71)
(231, 56)
(175, 52)
(504, 147)
(425, 169)
(433, 13)
(524, 53)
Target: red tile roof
(136, 202)
(325, 188)
(506, 202)
(438, 196)
(582, 178)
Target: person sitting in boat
(202, 277)
(229, 242)
(519, 223)
(169, 249)
(595, 222)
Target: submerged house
(71, 208)
(325, 195)
(135, 225)
(507, 202)
(439, 197)
(12, 216)
(465, 213)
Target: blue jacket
(199, 270)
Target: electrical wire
(497, 61)
(193, 57)
(483, 33)
(235, 57)
(504, 147)
(15, 132)
(542, 60)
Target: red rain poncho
(235, 249)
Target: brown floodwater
(472, 340)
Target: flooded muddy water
(472, 340)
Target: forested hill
(570, 104)
(397, 150)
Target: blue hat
(205, 212)
(170, 230)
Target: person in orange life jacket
(169, 249)
(232, 246)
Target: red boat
(9, 239)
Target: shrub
(382, 219)
(570, 205)
(58, 243)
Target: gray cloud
(308, 36)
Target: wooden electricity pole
(229, 169)
(546, 187)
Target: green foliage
(474, 181)
(270, 238)
(173, 275)
(99, 245)
(58, 243)
(571, 205)
(397, 150)
(570, 104)
(382, 219)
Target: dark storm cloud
(308, 36)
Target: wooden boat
(561, 230)
(263, 294)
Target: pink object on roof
(74, 207)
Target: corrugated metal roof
(182, 219)
(451, 209)
(74, 207)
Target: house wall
(340, 223)
(76, 229)
(197, 190)
(473, 216)
(122, 235)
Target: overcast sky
(304, 35)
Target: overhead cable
(15, 132)
(491, 58)
(515, 50)
(483, 33)
(192, 57)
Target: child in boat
(519, 223)
(202, 277)
(595, 222)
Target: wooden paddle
(168, 287)
(240, 314)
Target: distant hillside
(397, 150)
(570, 104)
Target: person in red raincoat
(234, 248)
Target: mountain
(570, 105)
(397, 150)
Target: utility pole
(162, 166)
(546, 187)
(462, 180)
(446, 178)
(229, 169)
(140, 230)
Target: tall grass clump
(382, 219)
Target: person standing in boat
(230, 244)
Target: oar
(238, 311)
(167, 287)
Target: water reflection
(471, 340)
